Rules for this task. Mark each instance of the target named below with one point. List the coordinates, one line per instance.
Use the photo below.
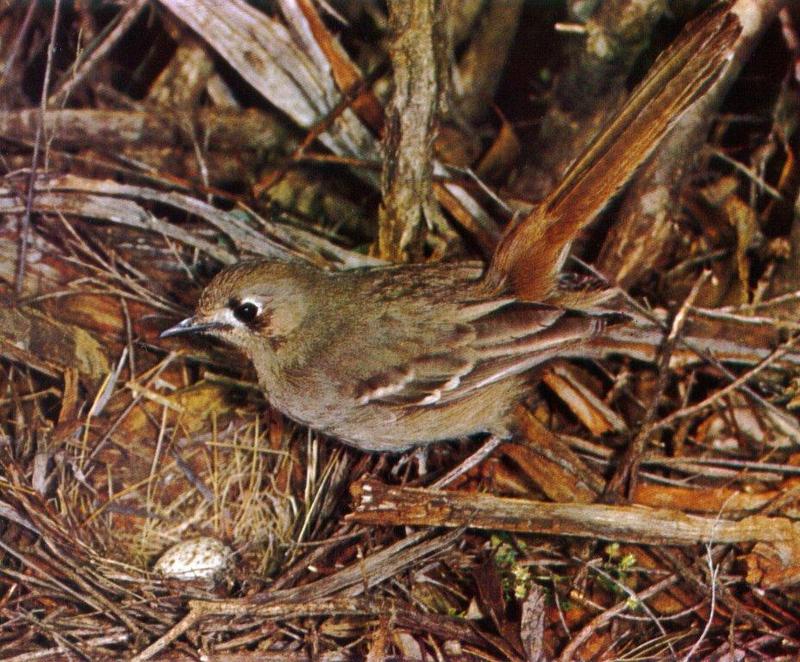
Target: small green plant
(616, 570)
(516, 577)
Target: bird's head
(251, 304)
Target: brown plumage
(388, 358)
(392, 357)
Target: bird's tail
(532, 251)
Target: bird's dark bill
(188, 326)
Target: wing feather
(493, 340)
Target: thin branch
(25, 226)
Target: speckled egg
(200, 558)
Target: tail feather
(532, 251)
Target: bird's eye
(246, 312)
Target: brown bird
(392, 357)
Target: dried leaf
(567, 381)
(28, 336)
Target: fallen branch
(779, 537)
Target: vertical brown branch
(408, 202)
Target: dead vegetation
(146, 144)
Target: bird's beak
(189, 325)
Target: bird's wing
(492, 341)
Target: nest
(146, 145)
